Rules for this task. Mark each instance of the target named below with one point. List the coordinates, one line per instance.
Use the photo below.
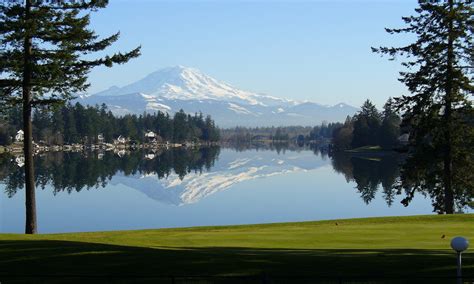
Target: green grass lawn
(366, 149)
(373, 247)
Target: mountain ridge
(173, 88)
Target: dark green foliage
(390, 129)
(210, 132)
(323, 131)
(59, 36)
(380, 171)
(366, 126)
(343, 135)
(369, 127)
(70, 130)
(181, 129)
(43, 45)
(78, 124)
(284, 133)
(10, 122)
(438, 74)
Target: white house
(20, 135)
(120, 140)
(100, 138)
(150, 134)
(150, 156)
(121, 153)
(20, 161)
(404, 139)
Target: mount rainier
(174, 88)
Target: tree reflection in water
(397, 175)
(68, 171)
(392, 173)
(370, 173)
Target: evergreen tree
(343, 135)
(366, 126)
(41, 62)
(180, 126)
(390, 129)
(70, 129)
(438, 74)
(57, 122)
(130, 126)
(40, 123)
(212, 130)
(5, 132)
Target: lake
(98, 191)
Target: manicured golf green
(416, 246)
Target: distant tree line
(304, 134)
(82, 124)
(369, 127)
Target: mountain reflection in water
(181, 176)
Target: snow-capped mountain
(174, 88)
(231, 169)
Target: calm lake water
(208, 186)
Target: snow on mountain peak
(185, 83)
(173, 88)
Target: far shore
(18, 147)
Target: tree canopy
(369, 127)
(45, 56)
(438, 74)
(49, 40)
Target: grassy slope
(397, 246)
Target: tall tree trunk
(30, 198)
(448, 155)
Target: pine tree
(366, 126)
(180, 125)
(390, 129)
(57, 122)
(343, 135)
(438, 74)
(43, 44)
(70, 129)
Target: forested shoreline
(86, 125)
(76, 123)
(370, 127)
(303, 134)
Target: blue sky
(305, 50)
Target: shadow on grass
(47, 260)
